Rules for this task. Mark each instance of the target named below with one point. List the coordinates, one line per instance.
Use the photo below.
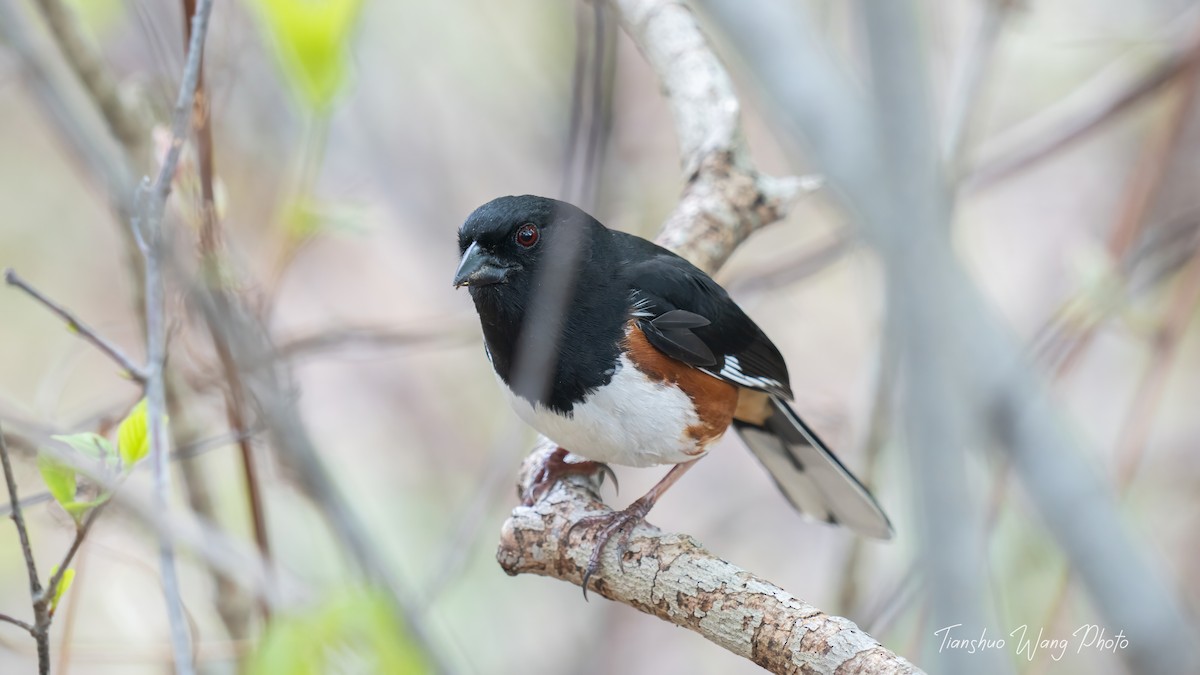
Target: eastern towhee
(644, 360)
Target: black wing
(686, 315)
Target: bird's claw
(623, 521)
(554, 468)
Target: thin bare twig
(447, 331)
(66, 641)
(1066, 335)
(128, 123)
(795, 269)
(211, 263)
(72, 122)
(147, 228)
(1074, 126)
(975, 68)
(600, 118)
(1139, 418)
(135, 372)
(81, 533)
(41, 616)
(42, 597)
(17, 622)
(575, 122)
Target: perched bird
(622, 352)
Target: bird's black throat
(542, 328)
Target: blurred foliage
(312, 39)
(133, 439)
(97, 16)
(353, 631)
(306, 218)
(59, 475)
(63, 584)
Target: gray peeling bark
(725, 198)
(672, 576)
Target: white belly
(632, 421)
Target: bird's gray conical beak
(479, 268)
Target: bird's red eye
(527, 235)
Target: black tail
(808, 474)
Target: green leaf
(80, 509)
(89, 444)
(133, 437)
(63, 585)
(58, 477)
(311, 38)
(353, 631)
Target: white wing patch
(732, 371)
(641, 307)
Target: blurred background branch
(963, 375)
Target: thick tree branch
(669, 575)
(725, 197)
(673, 577)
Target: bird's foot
(622, 522)
(556, 467)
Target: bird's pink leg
(624, 521)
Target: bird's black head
(532, 261)
(504, 242)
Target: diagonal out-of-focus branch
(964, 366)
(667, 575)
(132, 370)
(268, 389)
(127, 122)
(1070, 122)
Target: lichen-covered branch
(725, 198)
(673, 577)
